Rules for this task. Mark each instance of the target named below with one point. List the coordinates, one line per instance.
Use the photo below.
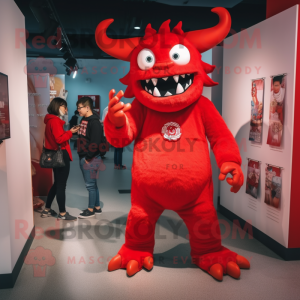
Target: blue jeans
(90, 174)
(118, 156)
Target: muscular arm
(123, 136)
(221, 139)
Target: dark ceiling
(81, 17)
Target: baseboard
(7, 281)
(285, 253)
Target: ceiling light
(74, 74)
(137, 23)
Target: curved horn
(206, 39)
(118, 48)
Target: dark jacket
(89, 137)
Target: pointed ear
(126, 79)
(208, 68)
(209, 82)
(129, 92)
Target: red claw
(132, 268)
(233, 270)
(115, 263)
(242, 262)
(216, 271)
(148, 263)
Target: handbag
(52, 158)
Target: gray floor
(81, 250)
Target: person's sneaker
(66, 217)
(47, 213)
(97, 211)
(86, 214)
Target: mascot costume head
(170, 122)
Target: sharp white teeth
(186, 86)
(150, 91)
(179, 89)
(190, 82)
(156, 92)
(176, 78)
(168, 94)
(147, 80)
(182, 75)
(154, 80)
(146, 89)
(165, 78)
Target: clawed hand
(235, 170)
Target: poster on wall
(253, 175)
(96, 102)
(4, 108)
(257, 103)
(277, 100)
(38, 101)
(58, 89)
(273, 186)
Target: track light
(67, 55)
(137, 23)
(63, 47)
(74, 74)
(68, 71)
(70, 63)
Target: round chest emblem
(171, 131)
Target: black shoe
(47, 213)
(97, 211)
(86, 214)
(66, 217)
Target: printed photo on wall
(273, 186)
(278, 86)
(257, 104)
(253, 175)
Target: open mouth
(168, 86)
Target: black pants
(60, 182)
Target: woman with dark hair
(56, 136)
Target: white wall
(276, 55)
(216, 98)
(15, 170)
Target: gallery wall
(15, 170)
(272, 51)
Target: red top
(56, 135)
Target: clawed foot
(131, 260)
(223, 262)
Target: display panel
(270, 211)
(4, 108)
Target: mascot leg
(205, 239)
(137, 252)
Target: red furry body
(171, 164)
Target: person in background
(118, 155)
(89, 140)
(74, 122)
(55, 136)
(74, 119)
(118, 158)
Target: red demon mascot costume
(170, 122)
